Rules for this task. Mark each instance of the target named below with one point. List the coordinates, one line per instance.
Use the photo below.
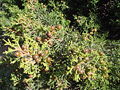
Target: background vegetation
(60, 44)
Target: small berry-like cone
(87, 58)
(37, 60)
(45, 40)
(40, 53)
(90, 73)
(46, 52)
(59, 27)
(86, 51)
(44, 6)
(50, 43)
(24, 47)
(91, 33)
(49, 34)
(49, 60)
(38, 38)
(81, 71)
(30, 76)
(86, 38)
(94, 30)
(18, 53)
(101, 53)
(52, 28)
(35, 57)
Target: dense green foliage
(59, 44)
